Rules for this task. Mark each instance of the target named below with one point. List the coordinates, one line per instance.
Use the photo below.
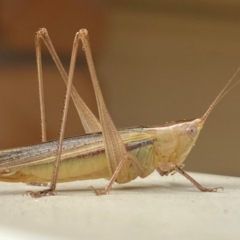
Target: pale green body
(84, 157)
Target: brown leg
(51, 190)
(89, 121)
(137, 168)
(114, 147)
(41, 98)
(199, 186)
(40, 88)
(112, 180)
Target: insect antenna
(223, 92)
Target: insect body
(104, 152)
(84, 157)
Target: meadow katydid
(104, 152)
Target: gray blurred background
(157, 61)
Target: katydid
(104, 152)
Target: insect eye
(192, 131)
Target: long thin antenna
(223, 92)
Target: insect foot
(98, 192)
(203, 189)
(38, 194)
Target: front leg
(195, 183)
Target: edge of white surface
(144, 208)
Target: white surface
(151, 208)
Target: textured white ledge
(152, 208)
